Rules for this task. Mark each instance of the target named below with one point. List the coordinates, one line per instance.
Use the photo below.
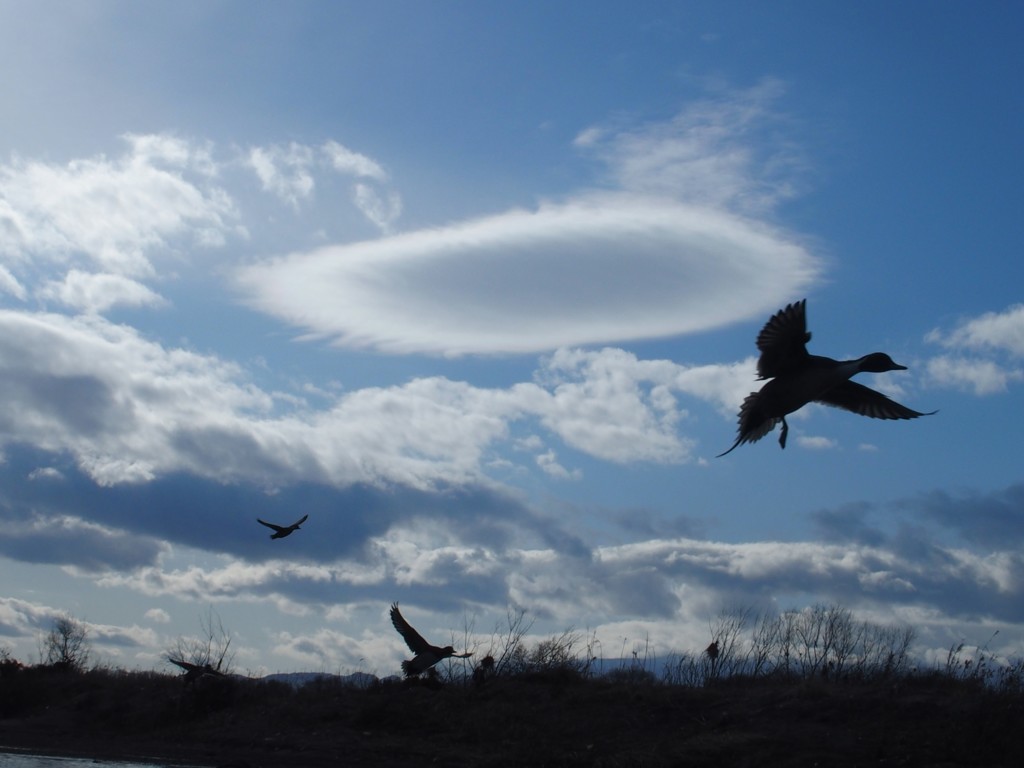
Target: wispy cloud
(725, 152)
(290, 173)
(349, 162)
(285, 171)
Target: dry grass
(557, 717)
(814, 687)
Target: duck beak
(898, 367)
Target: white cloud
(1002, 331)
(987, 339)
(614, 406)
(724, 385)
(130, 410)
(19, 617)
(548, 461)
(112, 213)
(158, 615)
(110, 637)
(600, 268)
(124, 407)
(88, 232)
(983, 377)
(10, 284)
(816, 443)
(97, 292)
(348, 162)
(46, 473)
(285, 171)
(240, 580)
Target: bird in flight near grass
(280, 531)
(425, 655)
(798, 378)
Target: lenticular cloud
(600, 269)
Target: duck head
(879, 362)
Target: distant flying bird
(425, 655)
(798, 378)
(280, 531)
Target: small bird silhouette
(798, 378)
(280, 531)
(425, 655)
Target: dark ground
(545, 721)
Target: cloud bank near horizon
(875, 559)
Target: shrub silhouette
(66, 646)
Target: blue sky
(476, 286)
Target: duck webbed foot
(785, 432)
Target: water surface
(27, 760)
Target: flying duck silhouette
(280, 531)
(798, 378)
(195, 671)
(425, 655)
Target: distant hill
(299, 679)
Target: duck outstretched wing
(412, 638)
(783, 341)
(277, 528)
(865, 401)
